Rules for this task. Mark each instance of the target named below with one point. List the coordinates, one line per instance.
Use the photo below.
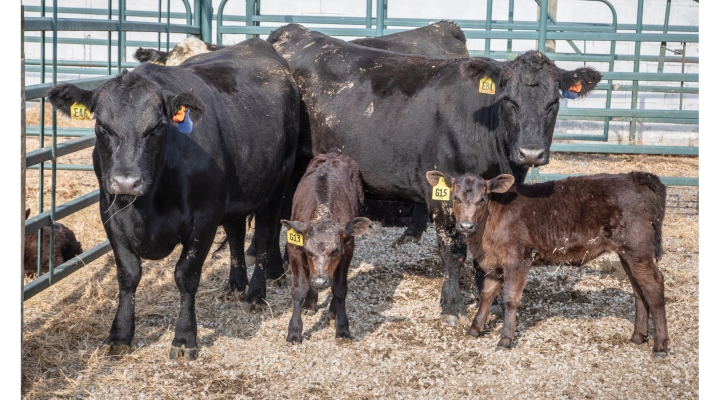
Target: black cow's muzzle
(532, 156)
(126, 185)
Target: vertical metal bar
(167, 27)
(511, 12)
(121, 37)
(53, 184)
(159, 20)
(109, 66)
(221, 10)
(368, 14)
(682, 70)
(381, 10)
(206, 24)
(663, 45)
(23, 149)
(41, 143)
(543, 26)
(488, 26)
(636, 68)
(249, 13)
(611, 68)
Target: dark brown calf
(325, 213)
(510, 228)
(66, 247)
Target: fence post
(22, 152)
(206, 21)
(381, 9)
(543, 25)
(636, 68)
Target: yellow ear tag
(441, 191)
(157, 63)
(78, 112)
(294, 237)
(487, 85)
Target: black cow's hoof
(191, 354)
(451, 320)
(176, 352)
(250, 261)
(247, 307)
(409, 238)
(118, 349)
(294, 338)
(340, 337)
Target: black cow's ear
(479, 68)
(297, 226)
(501, 183)
(187, 99)
(581, 81)
(357, 226)
(64, 95)
(433, 177)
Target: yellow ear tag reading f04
(441, 191)
(294, 237)
(78, 112)
(487, 85)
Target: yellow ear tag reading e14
(294, 237)
(441, 191)
(78, 112)
(487, 85)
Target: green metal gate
(117, 20)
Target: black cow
(182, 150)
(396, 115)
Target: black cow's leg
(300, 290)
(339, 292)
(187, 278)
(414, 232)
(452, 252)
(238, 272)
(129, 273)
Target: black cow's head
(528, 91)
(133, 120)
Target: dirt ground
(572, 339)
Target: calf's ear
(64, 95)
(187, 99)
(581, 81)
(357, 226)
(501, 183)
(297, 226)
(433, 177)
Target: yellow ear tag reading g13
(294, 237)
(441, 191)
(487, 85)
(78, 112)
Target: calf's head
(469, 196)
(324, 243)
(133, 123)
(527, 93)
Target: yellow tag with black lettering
(441, 191)
(78, 112)
(487, 85)
(294, 237)
(157, 63)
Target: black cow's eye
(101, 129)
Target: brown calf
(66, 247)
(509, 228)
(325, 213)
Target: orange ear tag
(576, 88)
(180, 115)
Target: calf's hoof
(449, 319)
(504, 343)
(638, 338)
(473, 331)
(294, 337)
(659, 354)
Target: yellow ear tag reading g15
(441, 191)
(294, 237)
(78, 112)
(487, 85)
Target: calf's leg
(300, 289)
(515, 280)
(489, 289)
(337, 304)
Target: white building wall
(682, 12)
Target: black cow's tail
(658, 203)
(454, 30)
